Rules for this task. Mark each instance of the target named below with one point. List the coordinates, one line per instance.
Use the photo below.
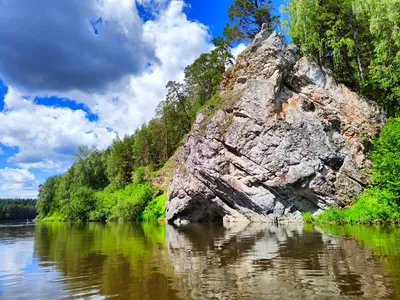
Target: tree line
(17, 209)
(357, 39)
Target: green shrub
(374, 205)
(140, 175)
(386, 157)
(55, 217)
(155, 210)
(127, 204)
(307, 217)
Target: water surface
(155, 261)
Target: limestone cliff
(283, 138)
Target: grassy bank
(374, 206)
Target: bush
(307, 217)
(55, 217)
(127, 204)
(155, 210)
(386, 157)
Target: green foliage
(17, 209)
(90, 169)
(132, 201)
(380, 203)
(246, 18)
(386, 157)
(357, 39)
(120, 162)
(55, 217)
(204, 75)
(383, 19)
(330, 32)
(80, 204)
(307, 217)
(140, 175)
(155, 210)
(47, 196)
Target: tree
(90, 168)
(386, 157)
(246, 18)
(46, 196)
(384, 27)
(358, 39)
(120, 162)
(203, 77)
(17, 209)
(332, 32)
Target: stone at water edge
(287, 139)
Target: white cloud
(46, 136)
(177, 42)
(238, 49)
(65, 45)
(18, 182)
(152, 3)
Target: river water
(199, 261)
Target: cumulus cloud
(18, 182)
(65, 45)
(238, 49)
(152, 4)
(46, 136)
(177, 42)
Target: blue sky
(79, 72)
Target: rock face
(284, 138)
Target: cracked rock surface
(286, 138)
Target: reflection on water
(153, 261)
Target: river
(198, 261)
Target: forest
(359, 40)
(17, 209)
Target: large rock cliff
(283, 138)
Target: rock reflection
(260, 261)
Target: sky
(81, 72)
